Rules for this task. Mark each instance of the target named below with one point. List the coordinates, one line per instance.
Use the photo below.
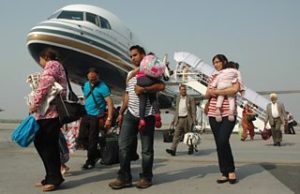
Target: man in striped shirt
(129, 129)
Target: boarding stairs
(196, 79)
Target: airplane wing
(279, 92)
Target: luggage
(109, 149)
(24, 134)
(192, 139)
(265, 134)
(169, 134)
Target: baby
(33, 80)
(225, 79)
(150, 72)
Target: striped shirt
(133, 101)
(213, 102)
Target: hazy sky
(263, 36)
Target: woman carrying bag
(46, 139)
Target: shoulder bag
(70, 109)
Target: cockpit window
(104, 23)
(72, 15)
(92, 18)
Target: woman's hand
(32, 109)
(212, 92)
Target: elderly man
(276, 116)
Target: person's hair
(49, 54)
(182, 86)
(92, 70)
(232, 64)
(273, 95)
(222, 58)
(139, 48)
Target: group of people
(97, 97)
(135, 119)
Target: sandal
(38, 184)
(49, 187)
(223, 179)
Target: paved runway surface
(261, 168)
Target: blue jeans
(127, 138)
(222, 131)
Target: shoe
(143, 184)
(118, 184)
(49, 187)
(278, 144)
(233, 179)
(275, 144)
(40, 184)
(242, 139)
(171, 152)
(142, 124)
(64, 170)
(223, 179)
(88, 166)
(135, 157)
(190, 152)
(158, 123)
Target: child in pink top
(150, 72)
(226, 77)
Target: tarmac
(260, 167)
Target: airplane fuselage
(86, 36)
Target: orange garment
(247, 126)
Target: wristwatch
(109, 119)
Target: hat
(152, 66)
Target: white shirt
(275, 113)
(182, 109)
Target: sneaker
(143, 184)
(169, 151)
(142, 124)
(88, 166)
(118, 184)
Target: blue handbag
(24, 134)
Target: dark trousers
(143, 82)
(222, 131)
(89, 137)
(127, 139)
(291, 129)
(47, 146)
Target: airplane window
(92, 18)
(72, 15)
(104, 23)
(54, 15)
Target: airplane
(89, 36)
(1, 109)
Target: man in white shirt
(276, 116)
